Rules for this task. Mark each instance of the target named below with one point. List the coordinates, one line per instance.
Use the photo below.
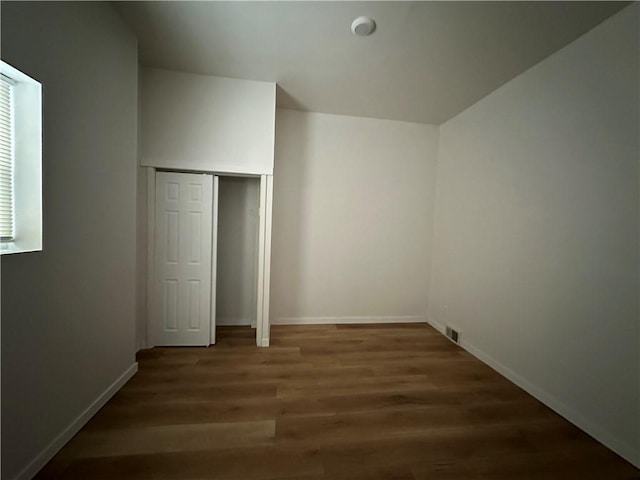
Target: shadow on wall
(289, 218)
(285, 100)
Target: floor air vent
(453, 334)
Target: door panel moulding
(183, 247)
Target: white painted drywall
(237, 251)
(535, 254)
(141, 257)
(68, 312)
(198, 122)
(352, 216)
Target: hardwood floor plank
(314, 387)
(550, 465)
(173, 413)
(260, 463)
(176, 394)
(169, 438)
(321, 431)
(221, 374)
(443, 446)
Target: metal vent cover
(453, 334)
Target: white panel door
(182, 294)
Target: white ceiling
(426, 62)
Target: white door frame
(264, 256)
(214, 256)
(264, 260)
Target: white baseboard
(623, 449)
(346, 320)
(61, 440)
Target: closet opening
(236, 272)
(208, 263)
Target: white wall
(535, 254)
(237, 272)
(198, 122)
(141, 257)
(68, 312)
(352, 216)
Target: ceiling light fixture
(363, 26)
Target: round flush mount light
(363, 26)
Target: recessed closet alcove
(207, 142)
(237, 253)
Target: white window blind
(6, 159)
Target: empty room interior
(320, 240)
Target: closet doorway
(209, 240)
(236, 286)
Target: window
(6, 159)
(20, 161)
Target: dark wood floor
(350, 402)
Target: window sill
(7, 248)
